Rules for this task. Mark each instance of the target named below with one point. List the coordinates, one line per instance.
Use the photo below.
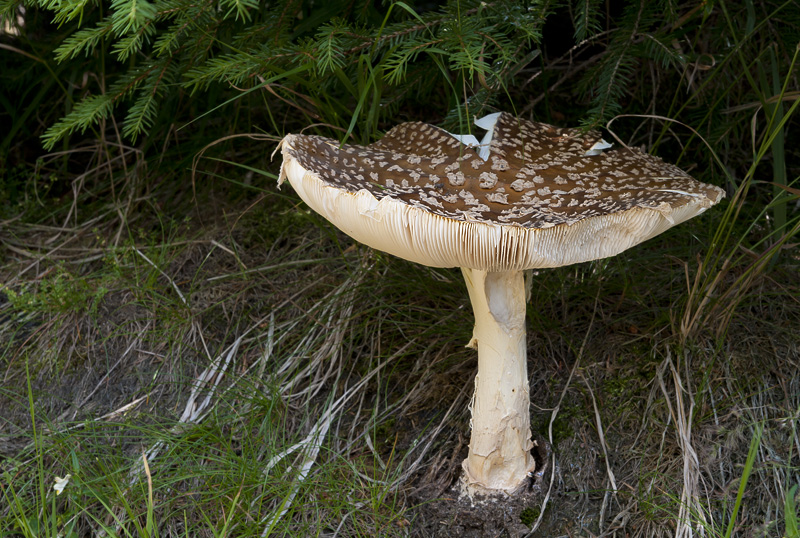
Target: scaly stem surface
(500, 448)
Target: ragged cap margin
(414, 234)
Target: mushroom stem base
(499, 457)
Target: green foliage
(132, 16)
(641, 35)
(83, 41)
(154, 65)
(587, 18)
(529, 515)
(87, 113)
(791, 514)
(330, 48)
(60, 292)
(150, 54)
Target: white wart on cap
(528, 196)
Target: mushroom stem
(499, 457)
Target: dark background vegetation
(141, 235)
(156, 82)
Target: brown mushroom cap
(539, 200)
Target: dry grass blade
(722, 293)
(171, 282)
(195, 408)
(311, 445)
(611, 478)
(691, 515)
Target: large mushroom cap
(544, 197)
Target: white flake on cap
(597, 148)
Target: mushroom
(529, 196)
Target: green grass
(311, 386)
(274, 447)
